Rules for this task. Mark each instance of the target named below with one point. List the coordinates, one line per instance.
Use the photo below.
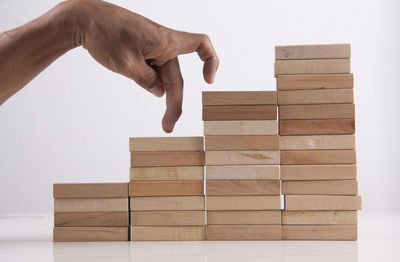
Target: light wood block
(323, 66)
(243, 232)
(166, 144)
(331, 111)
(243, 203)
(252, 112)
(318, 142)
(166, 188)
(220, 158)
(336, 232)
(172, 173)
(314, 82)
(90, 234)
(168, 218)
(317, 127)
(309, 97)
(318, 202)
(319, 217)
(243, 187)
(318, 157)
(179, 158)
(269, 172)
(239, 98)
(91, 205)
(91, 219)
(328, 51)
(173, 203)
(92, 190)
(244, 217)
(332, 187)
(181, 233)
(216, 143)
(235, 128)
(318, 172)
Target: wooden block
(332, 111)
(318, 202)
(166, 188)
(318, 157)
(167, 203)
(243, 187)
(319, 217)
(314, 82)
(336, 232)
(327, 187)
(243, 203)
(244, 217)
(166, 144)
(181, 233)
(91, 205)
(220, 158)
(304, 67)
(179, 158)
(318, 172)
(167, 173)
(92, 190)
(317, 127)
(168, 218)
(259, 172)
(91, 219)
(309, 97)
(216, 143)
(90, 234)
(243, 232)
(312, 51)
(317, 142)
(239, 98)
(252, 112)
(235, 128)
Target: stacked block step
(242, 166)
(166, 188)
(317, 142)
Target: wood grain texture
(216, 143)
(166, 144)
(91, 205)
(269, 172)
(331, 111)
(318, 202)
(166, 188)
(168, 218)
(243, 187)
(90, 234)
(323, 66)
(90, 190)
(181, 233)
(332, 187)
(319, 217)
(315, 82)
(318, 172)
(243, 232)
(173, 173)
(231, 203)
(235, 128)
(251, 112)
(239, 98)
(167, 203)
(244, 217)
(317, 127)
(91, 219)
(317, 142)
(327, 51)
(309, 97)
(318, 157)
(220, 158)
(172, 158)
(334, 232)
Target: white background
(72, 123)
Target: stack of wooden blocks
(242, 166)
(317, 126)
(167, 188)
(91, 212)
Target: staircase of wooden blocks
(299, 140)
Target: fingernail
(157, 90)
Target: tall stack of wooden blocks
(91, 212)
(167, 188)
(242, 165)
(318, 158)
